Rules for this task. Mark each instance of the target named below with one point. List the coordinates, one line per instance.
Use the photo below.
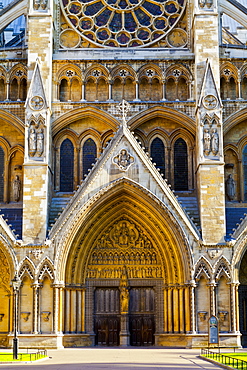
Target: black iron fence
(225, 359)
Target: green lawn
(230, 359)
(8, 356)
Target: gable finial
(124, 108)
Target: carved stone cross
(124, 108)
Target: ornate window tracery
(125, 23)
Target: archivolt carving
(4, 270)
(124, 244)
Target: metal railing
(225, 359)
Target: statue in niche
(32, 141)
(214, 141)
(16, 188)
(230, 188)
(43, 4)
(124, 300)
(40, 142)
(123, 160)
(206, 141)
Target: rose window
(123, 23)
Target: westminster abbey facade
(123, 172)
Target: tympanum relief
(124, 247)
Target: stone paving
(119, 359)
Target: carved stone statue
(40, 142)
(230, 187)
(16, 188)
(32, 142)
(124, 300)
(206, 141)
(214, 141)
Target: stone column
(137, 91)
(212, 286)
(164, 90)
(234, 307)
(192, 299)
(7, 91)
(36, 325)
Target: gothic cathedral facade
(123, 173)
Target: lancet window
(67, 166)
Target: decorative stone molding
(222, 315)
(202, 315)
(25, 315)
(1, 316)
(45, 315)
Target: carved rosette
(123, 160)
(123, 249)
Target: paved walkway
(119, 359)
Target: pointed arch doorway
(242, 290)
(124, 269)
(127, 267)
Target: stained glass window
(89, 154)
(66, 166)
(127, 23)
(180, 165)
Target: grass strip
(8, 357)
(230, 359)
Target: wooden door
(107, 316)
(142, 319)
(242, 290)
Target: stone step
(190, 205)
(58, 203)
(233, 217)
(13, 217)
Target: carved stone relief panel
(123, 160)
(124, 249)
(36, 138)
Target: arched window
(91, 92)
(244, 88)
(1, 174)
(67, 166)
(223, 88)
(144, 89)
(182, 90)
(171, 93)
(158, 154)
(245, 171)
(75, 90)
(23, 89)
(117, 90)
(180, 165)
(14, 90)
(232, 89)
(156, 93)
(102, 90)
(2, 90)
(89, 154)
(64, 90)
